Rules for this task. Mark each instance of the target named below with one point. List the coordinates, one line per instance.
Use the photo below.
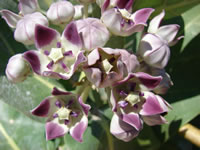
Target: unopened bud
(17, 69)
(60, 12)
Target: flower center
(125, 14)
(56, 54)
(133, 98)
(107, 66)
(64, 113)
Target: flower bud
(17, 69)
(60, 12)
(94, 32)
(25, 29)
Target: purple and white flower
(120, 21)
(60, 12)
(133, 103)
(17, 69)
(154, 46)
(105, 66)
(25, 22)
(58, 56)
(94, 33)
(65, 113)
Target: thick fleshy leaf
(46, 38)
(122, 130)
(28, 6)
(155, 22)
(10, 18)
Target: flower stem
(85, 11)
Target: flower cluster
(132, 81)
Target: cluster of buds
(132, 81)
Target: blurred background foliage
(19, 130)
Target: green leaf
(172, 7)
(17, 132)
(183, 111)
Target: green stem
(85, 11)
(85, 93)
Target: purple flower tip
(141, 94)
(58, 104)
(123, 104)
(66, 122)
(59, 45)
(74, 114)
(55, 115)
(122, 93)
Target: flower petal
(155, 22)
(10, 18)
(57, 92)
(141, 16)
(133, 119)
(71, 38)
(54, 129)
(28, 6)
(153, 105)
(37, 60)
(147, 80)
(127, 4)
(122, 130)
(154, 120)
(93, 75)
(79, 128)
(46, 108)
(168, 32)
(46, 38)
(84, 106)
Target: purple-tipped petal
(141, 16)
(175, 41)
(46, 38)
(79, 128)
(28, 6)
(147, 80)
(127, 4)
(37, 61)
(10, 17)
(133, 119)
(153, 105)
(57, 92)
(42, 109)
(85, 107)
(71, 34)
(122, 130)
(54, 130)
(155, 22)
(154, 120)
(168, 32)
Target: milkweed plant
(69, 43)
